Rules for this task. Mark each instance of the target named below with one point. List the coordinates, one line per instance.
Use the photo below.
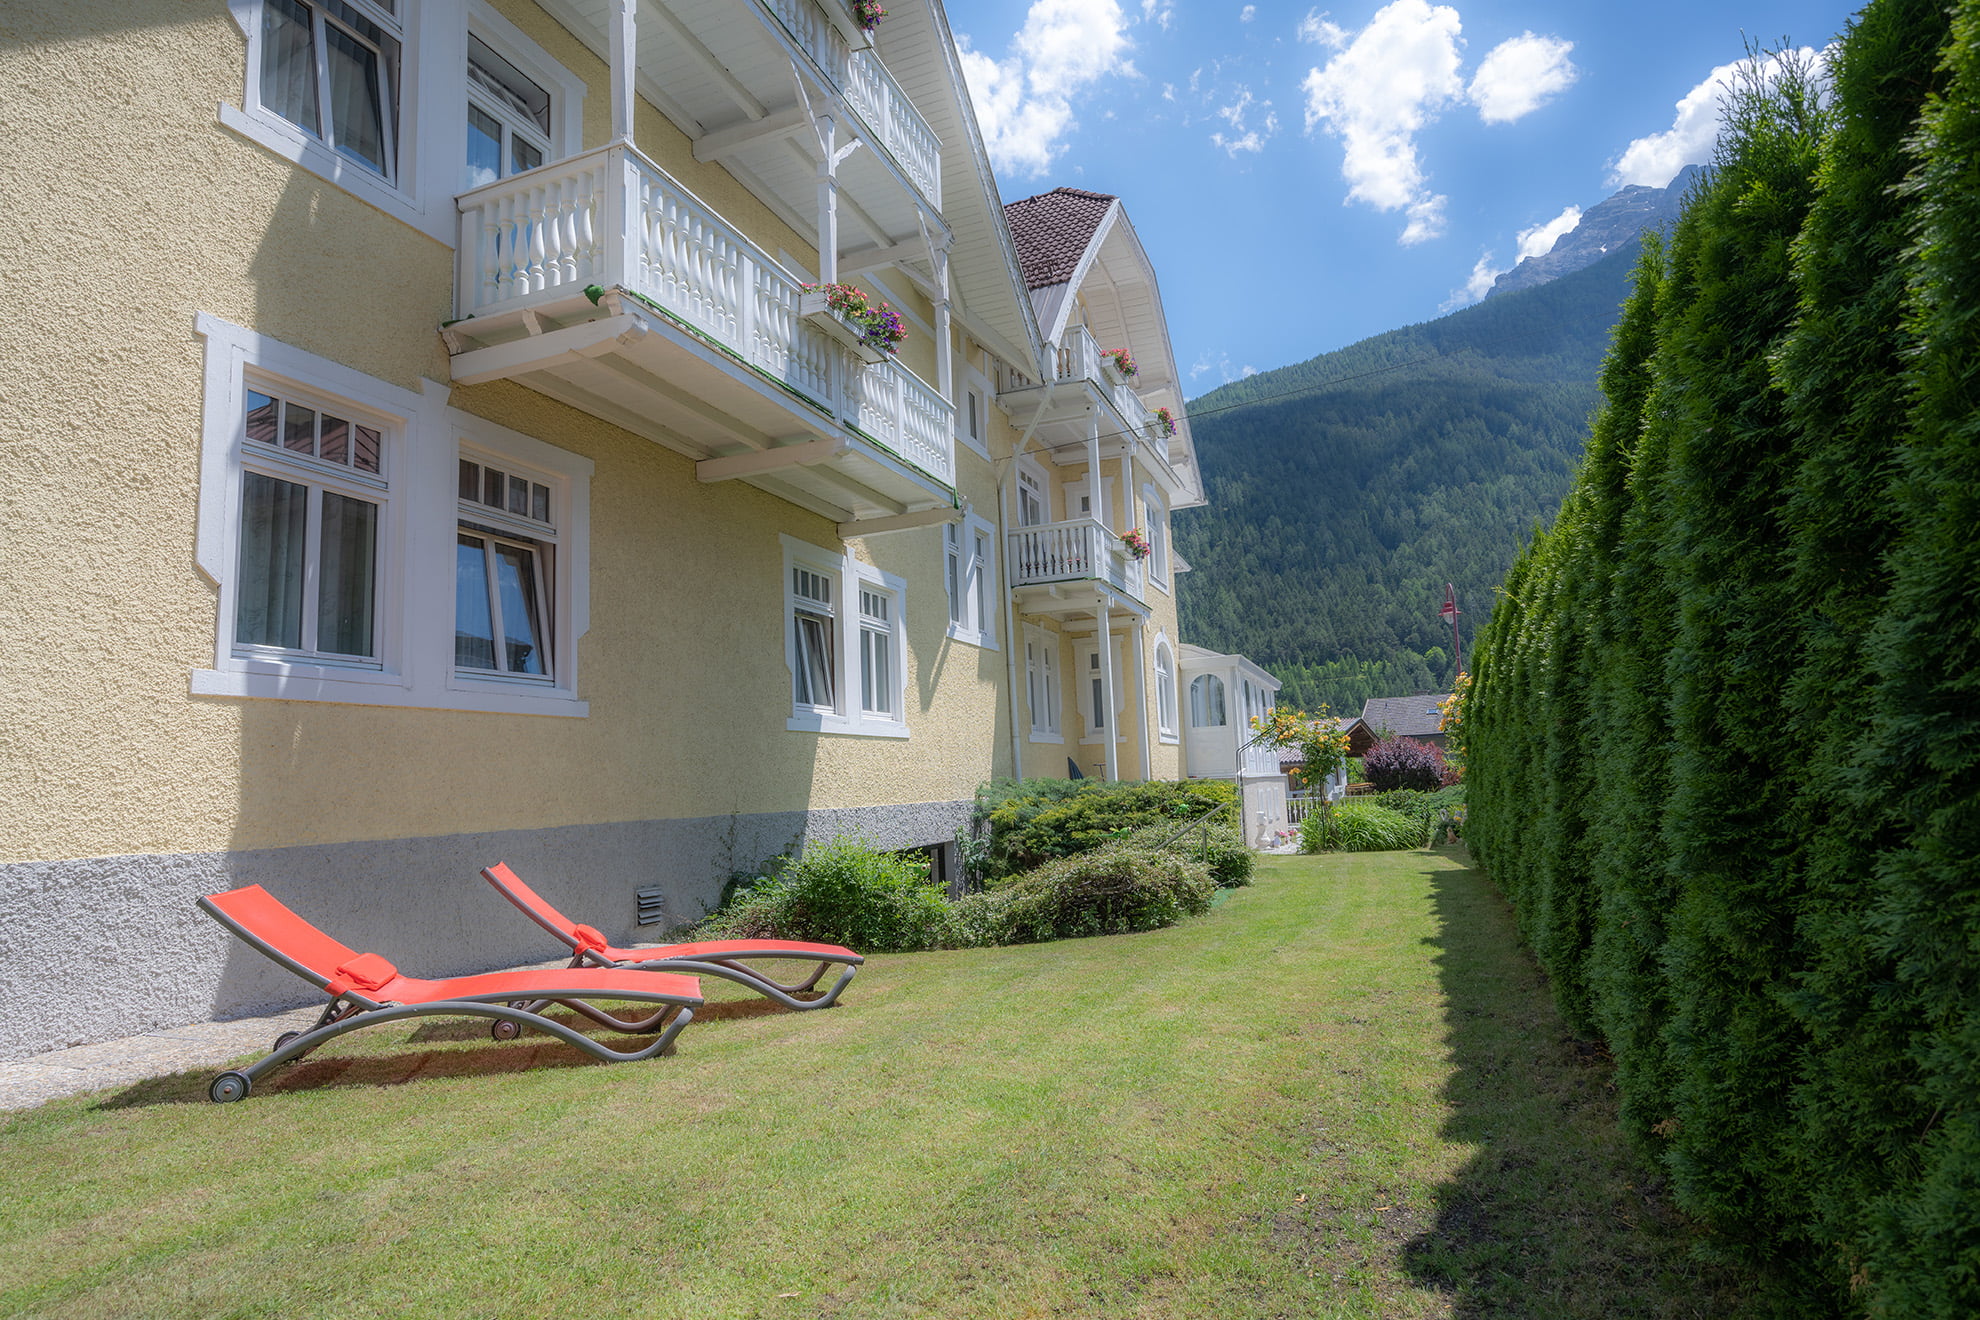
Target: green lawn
(1341, 1093)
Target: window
(1033, 511)
(331, 68)
(1165, 691)
(312, 485)
(848, 664)
(371, 545)
(1206, 702)
(508, 117)
(1158, 536)
(1041, 683)
(504, 571)
(1092, 694)
(817, 634)
(969, 575)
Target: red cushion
(367, 971)
(589, 938)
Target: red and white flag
(1450, 610)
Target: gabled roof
(1406, 717)
(1052, 231)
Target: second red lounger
(365, 991)
(706, 957)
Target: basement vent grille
(652, 906)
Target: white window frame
(1042, 692)
(238, 360)
(566, 89)
(847, 712)
(969, 579)
(1084, 657)
(1166, 695)
(1041, 486)
(972, 386)
(414, 593)
(1156, 526)
(567, 576)
(1197, 705)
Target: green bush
(1107, 891)
(1032, 821)
(1216, 843)
(1351, 826)
(843, 892)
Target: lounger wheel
(503, 1029)
(229, 1087)
(284, 1039)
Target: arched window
(1165, 690)
(1206, 702)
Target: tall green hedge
(1725, 722)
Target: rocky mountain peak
(1604, 227)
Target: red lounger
(707, 958)
(366, 991)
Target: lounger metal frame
(514, 1000)
(717, 958)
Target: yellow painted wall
(163, 214)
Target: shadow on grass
(340, 1070)
(1553, 1216)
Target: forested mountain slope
(1345, 491)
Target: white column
(945, 367)
(828, 202)
(1141, 699)
(622, 20)
(1094, 485)
(1110, 733)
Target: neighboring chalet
(1420, 717)
(1223, 695)
(440, 454)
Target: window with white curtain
(331, 68)
(969, 575)
(845, 643)
(1041, 682)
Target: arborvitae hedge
(1724, 733)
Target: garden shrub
(1216, 843)
(1106, 891)
(1351, 826)
(1403, 763)
(844, 892)
(1034, 821)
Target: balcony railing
(1069, 552)
(1079, 359)
(612, 218)
(871, 92)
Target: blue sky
(1305, 177)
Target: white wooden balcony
(602, 281)
(1069, 567)
(889, 118)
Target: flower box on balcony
(814, 307)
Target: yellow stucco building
(429, 440)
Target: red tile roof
(1052, 230)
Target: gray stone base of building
(111, 946)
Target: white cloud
(1221, 364)
(1316, 28)
(1540, 239)
(1520, 76)
(1024, 102)
(1242, 137)
(1483, 276)
(1159, 12)
(1377, 93)
(1655, 160)
(1246, 14)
